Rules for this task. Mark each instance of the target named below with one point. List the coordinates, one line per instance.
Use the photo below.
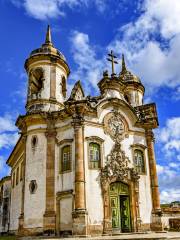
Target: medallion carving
(114, 126)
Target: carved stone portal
(117, 170)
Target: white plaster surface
(34, 207)
(15, 210)
(66, 214)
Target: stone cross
(111, 59)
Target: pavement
(123, 236)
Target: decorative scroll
(116, 165)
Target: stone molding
(64, 141)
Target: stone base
(156, 224)
(80, 222)
(95, 229)
(21, 224)
(49, 223)
(144, 227)
(107, 227)
(25, 232)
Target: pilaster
(156, 212)
(21, 217)
(49, 215)
(80, 213)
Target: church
(83, 165)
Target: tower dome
(134, 90)
(47, 71)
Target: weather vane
(111, 59)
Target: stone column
(49, 224)
(79, 213)
(156, 223)
(21, 217)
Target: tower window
(139, 161)
(36, 80)
(94, 155)
(66, 159)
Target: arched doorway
(120, 207)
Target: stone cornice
(42, 57)
(17, 151)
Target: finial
(123, 64)
(48, 36)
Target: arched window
(94, 155)
(66, 159)
(36, 80)
(139, 161)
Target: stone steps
(133, 236)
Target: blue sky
(146, 31)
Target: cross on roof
(111, 59)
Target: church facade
(83, 165)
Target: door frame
(133, 200)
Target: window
(17, 176)
(33, 186)
(34, 141)
(66, 159)
(36, 80)
(139, 161)
(94, 155)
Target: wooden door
(120, 210)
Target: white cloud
(169, 136)
(160, 169)
(8, 131)
(8, 140)
(42, 9)
(169, 181)
(170, 195)
(89, 66)
(156, 61)
(7, 124)
(45, 9)
(166, 15)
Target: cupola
(110, 86)
(134, 89)
(47, 71)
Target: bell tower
(47, 71)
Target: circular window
(33, 186)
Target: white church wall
(94, 201)
(15, 209)
(34, 207)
